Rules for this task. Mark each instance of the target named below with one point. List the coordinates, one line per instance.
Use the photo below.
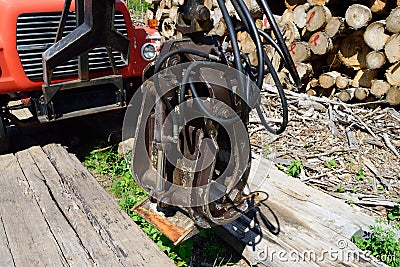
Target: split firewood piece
(300, 15)
(393, 96)
(286, 17)
(375, 60)
(252, 5)
(358, 16)
(292, 4)
(314, 83)
(181, 2)
(320, 43)
(255, 9)
(393, 74)
(379, 88)
(393, 20)
(312, 86)
(328, 79)
(353, 50)
(168, 4)
(335, 27)
(318, 2)
(332, 58)
(392, 48)
(346, 95)
(342, 82)
(379, 6)
(208, 4)
(173, 13)
(304, 70)
(375, 36)
(246, 44)
(220, 28)
(283, 78)
(364, 78)
(300, 51)
(317, 17)
(290, 33)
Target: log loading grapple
(196, 108)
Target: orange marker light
(153, 23)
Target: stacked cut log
(344, 48)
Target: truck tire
(4, 141)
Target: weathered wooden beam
(296, 220)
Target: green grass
(128, 194)
(138, 5)
(294, 169)
(382, 242)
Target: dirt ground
(350, 151)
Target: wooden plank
(297, 221)
(98, 250)
(30, 240)
(67, 239)
(128, 242)
(6, 258)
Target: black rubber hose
(281, 42)
(186, 79)
(232, 34)
(247, 19)
(164, 58)
(285, 112)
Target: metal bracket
(96, 30)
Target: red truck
(29, 28)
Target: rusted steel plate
(177, 228)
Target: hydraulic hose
(232, 34)
(247, 19)
(164, 58)
(254, 33)
(292, 68)
(186, 79)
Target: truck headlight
(149, 51)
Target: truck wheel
(4, 142)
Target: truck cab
(29, 28)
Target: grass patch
(382, 242)
(138, 5)
(128, 194)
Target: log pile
(349, 49)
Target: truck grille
(37, 31)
